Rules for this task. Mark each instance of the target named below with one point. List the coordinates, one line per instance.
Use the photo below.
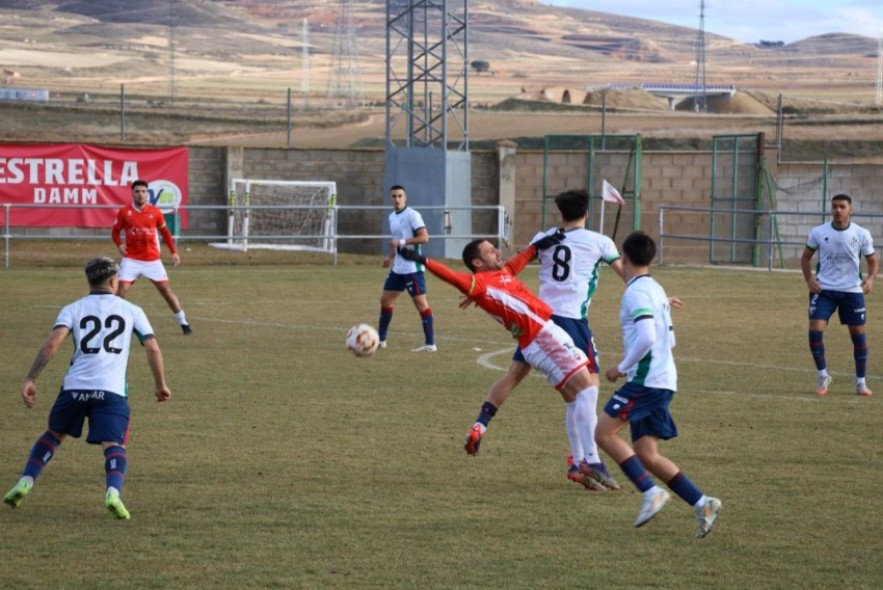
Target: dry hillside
(217, 70)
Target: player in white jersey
(101, 325)
(408, 230)
(838, 285)
(568, 279)
(643, 402)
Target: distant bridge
(675, 92)
(27, 94)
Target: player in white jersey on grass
(643, 403)
(408, 231)
(568, 279)
(94, 387)
(838, 285)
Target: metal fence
(351, 228)
(686, 236)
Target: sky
(750, 21)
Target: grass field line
(808, 398)
(331, 329)
(485, 361)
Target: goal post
(281, 215)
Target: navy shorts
(581, 334)
(108, 415)
(850, 307)
(646, 408)
(414, 283)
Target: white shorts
(131, 269)
(554, 353)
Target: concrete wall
(358, 174)
(669, 178)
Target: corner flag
(610, 194)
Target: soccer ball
(363, 340)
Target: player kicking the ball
(546, 347)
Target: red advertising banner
(72, 185)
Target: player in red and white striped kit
(546, 347)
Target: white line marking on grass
(328, 328)
(809, 397)
(486, 360)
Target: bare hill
(523, 40)
(212, 69)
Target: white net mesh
(282, 215)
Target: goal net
(281, 215)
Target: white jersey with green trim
(404, 225)
(101, 326)
(569, 270)
(645, 300)
(840, 252)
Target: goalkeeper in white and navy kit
(101, 326)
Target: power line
(700, 104)
(880, 69)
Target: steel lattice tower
(879, 96)
(700, 104)
(305, 62)
(173, 23)
(345, 76)
(427, 52)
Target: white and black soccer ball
(362, 340)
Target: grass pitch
(283, 461)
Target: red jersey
(502, 295)
(141, 227)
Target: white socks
(586, 417)
(576, 447)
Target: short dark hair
(573, 204)
(397, 187)
(139, 182)
(842, 197)
(639, 248)
(100, 269)
(470, 252)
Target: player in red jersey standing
(493, 286)
(141, 223)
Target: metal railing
(497, 221)
(777, 233)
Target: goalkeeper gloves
(411, 254)
(550, 240)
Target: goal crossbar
(280, 215)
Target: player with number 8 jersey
(569, 273)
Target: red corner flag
(610, 194)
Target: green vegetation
(283, 461)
